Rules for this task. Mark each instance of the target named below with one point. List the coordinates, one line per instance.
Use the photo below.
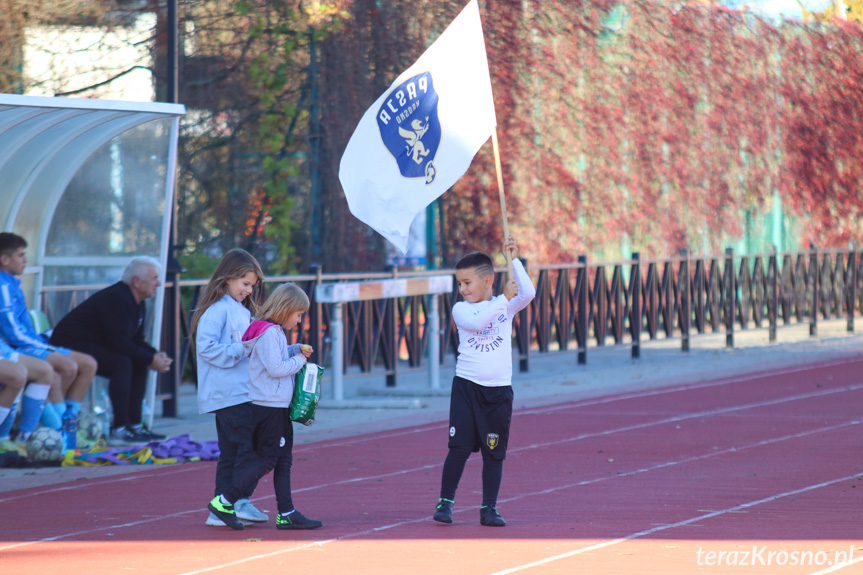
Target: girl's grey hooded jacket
(272, 364)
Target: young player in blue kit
(481, 400)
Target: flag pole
(502, 199)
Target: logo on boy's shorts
(281, 442)
(492, 439)
(410, 128)
(452, 431)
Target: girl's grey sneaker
(490, 516)
(214, 521)
(443, 511)
(248, 512)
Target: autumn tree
(637, 125)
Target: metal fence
(577, 306)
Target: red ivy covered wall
(640, 123)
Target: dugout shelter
(89, 184)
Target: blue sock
(59, 408)
(6, 426)
(75, 406)
(50, 418)
(34, 398)
(5, 412)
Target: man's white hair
(138, 268)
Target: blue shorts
(41, 352)
(12, 356)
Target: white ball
(45, 444)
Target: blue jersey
(6, 351)
(15, 323)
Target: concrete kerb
(369, 406)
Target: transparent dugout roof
(89, 184)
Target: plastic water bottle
(102, 410)
(70, 429)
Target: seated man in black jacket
(109, 325)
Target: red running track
(757, 474)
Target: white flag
(421, 135)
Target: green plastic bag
(307, 392)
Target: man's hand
(161, 362)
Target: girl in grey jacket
(273, 363)
(221, 318)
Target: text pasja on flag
(421, 135)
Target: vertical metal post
(173, 268)
(315, 136)
(668, 298)
(851, 286)
(524, 334)
(173, 329)
(391, 337)
(338, 350)
(434, 342)
(816, 289)
(316, 336)
(683, 295)
(635, 320)
(730, 298)
(774, 292)
(583, 312)
(172, 91)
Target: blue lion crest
(410, 128)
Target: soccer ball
(45, 445)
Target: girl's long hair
(235, 264)
(285, 300)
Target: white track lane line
(697, 415)
(710, 515)
(316, 447)
(460, 510)
(684, 387)
(838, 567)
(546, 491)
(588, 435)
(75, 485)
(438, 426)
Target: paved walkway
(554, 378)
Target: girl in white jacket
(218, 325)
(273, 365)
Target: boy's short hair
(478, 261)
(10, 242)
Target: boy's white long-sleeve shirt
(223, 368)
(272, 366)
(485, 333)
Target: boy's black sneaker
(225, 512)
(443, 511)
(490, 516)
(296, 520)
